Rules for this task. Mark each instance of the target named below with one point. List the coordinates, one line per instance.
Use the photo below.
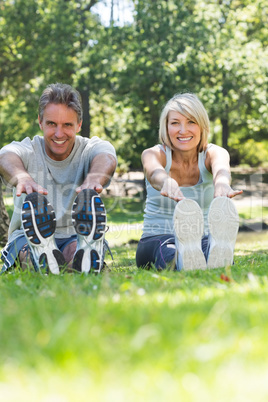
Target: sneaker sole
(223, 221)
(39, 224)
(189, 227)
(89, 220)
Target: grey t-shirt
(60, 178)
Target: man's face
(59, 126)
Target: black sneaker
(89, 220)
(39, 224)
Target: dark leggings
(160, 251)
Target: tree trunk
(85, 131)
(4, 219)
(112, 14)
(225, 132)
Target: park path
(253, 182)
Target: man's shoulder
(26, 144)
(92, 140)
(94, 143)
(34, 143)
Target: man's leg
(69, 252)
(25, 258)
(89, 220)
(39, 224)
(16, 252)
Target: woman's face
(184, 134)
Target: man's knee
(25, 258)
(69, 251)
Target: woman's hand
(171, 189)
(218, 161)
(225, 190)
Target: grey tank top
(158, 212)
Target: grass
(133, 335)
(254, 213)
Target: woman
(189, 217)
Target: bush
(250, 153)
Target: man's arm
(101, 171)
(14, 172)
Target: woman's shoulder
(157, 151)
(214, 152)
(214, 149)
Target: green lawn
(133, 335)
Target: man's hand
(14, 172)
(90, 183)
(25, 184)
(101, 171)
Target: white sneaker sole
(89, 220)
(39, 224)
(189, 226)
(223, 221)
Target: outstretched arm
(154, 160)
(101, 171)
(14, 172)
(219, 161)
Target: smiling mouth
(184, 139)
(59, 142)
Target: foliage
(250, 152)
(125, 74)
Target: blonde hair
(192, 108)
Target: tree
(40, 43)
(211, 48)
(4, 219)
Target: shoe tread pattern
(86, 204)
(189, 226)
(42, 213)
(223, 221)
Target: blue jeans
(11, 251)
(160, 251)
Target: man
(63, 170)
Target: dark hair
(61, 94)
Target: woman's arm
(218, 162)
(154, 160)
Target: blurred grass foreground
(137, 335)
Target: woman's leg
(156, 250)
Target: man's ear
(79, 126)
(40, 123)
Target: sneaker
(89, 220)
(188, 226)
(223, 221)
(39, 224)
